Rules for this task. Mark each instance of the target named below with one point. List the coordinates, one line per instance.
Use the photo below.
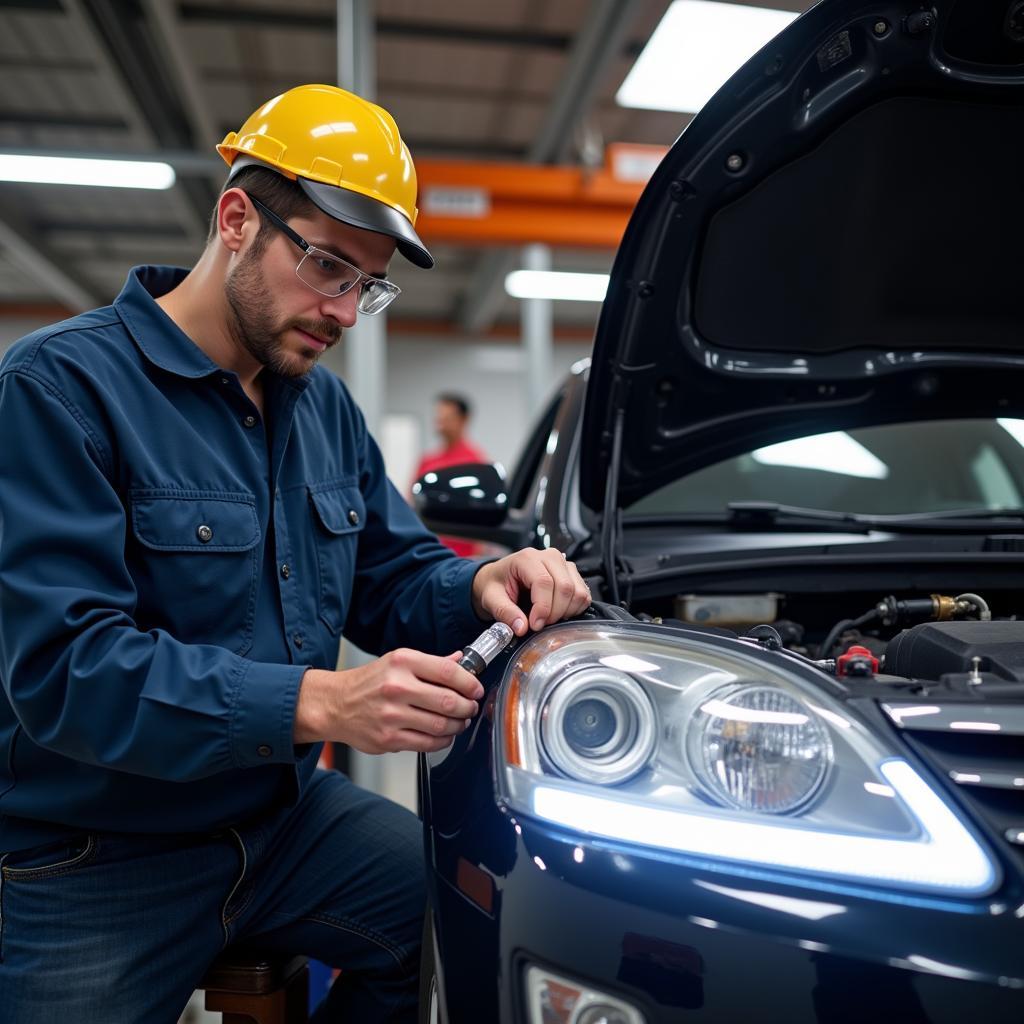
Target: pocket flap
(339, 508)
(195, 520)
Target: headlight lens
(598, 725)
(718, 749)
(759, 749)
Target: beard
(255, 326)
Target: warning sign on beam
(440, 201)
(633, 162)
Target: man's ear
(237, 220)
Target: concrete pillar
(366, 342)
(537, 320)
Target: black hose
(767, 636)
(833, 635)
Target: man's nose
(341, 308)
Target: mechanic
(191, 513)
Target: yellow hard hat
(344, 152)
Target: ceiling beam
(281, 18)
(89, 19)
(58, 119)
(137, 70)
(35, 258)
(17, 236)
(165, 29)
(35, 6)
(601, 39)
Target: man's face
(449, 421)
(278, 319)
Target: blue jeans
(120, 928)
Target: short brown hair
(459, 401)
(275, 191)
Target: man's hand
(555, 588)
(404, 701)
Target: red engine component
(856, 661)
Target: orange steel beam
(501, 204)
(522, 223)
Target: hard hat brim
(370, 215)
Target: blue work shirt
(170, 565)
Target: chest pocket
(340, 514)
(195, 562)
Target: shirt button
(286, 571)
(204, 533)
(297, 640)
(353, 517)
(250, 421)
(224, 380)
(264, 751)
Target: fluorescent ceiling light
(59, 170)
(556, 284)
(694, 50)
(835, 452)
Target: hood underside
(834, 241)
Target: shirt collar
(158, 337)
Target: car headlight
(716, 748)
(759, 749)
(598, 725)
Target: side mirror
(467, 495)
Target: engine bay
(969, 643)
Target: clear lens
(331, 276)
(553, 999)
(598, 725)
(375, 295)
(326, 274)
(759, 749)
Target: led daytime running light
(948, 860)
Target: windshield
(890, 470)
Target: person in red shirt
(451, 418)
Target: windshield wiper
(984, 514)
(757, 513)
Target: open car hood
(836, 240)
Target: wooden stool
(250, 987)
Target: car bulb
(486, 647)
(759, 749)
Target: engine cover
(934, 649)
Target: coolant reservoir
(727, 609)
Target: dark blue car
(777, 772)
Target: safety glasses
(331, 275)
